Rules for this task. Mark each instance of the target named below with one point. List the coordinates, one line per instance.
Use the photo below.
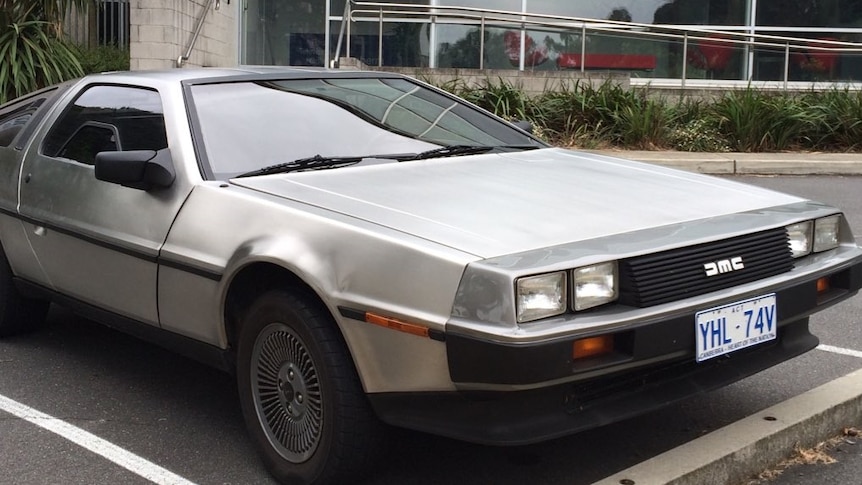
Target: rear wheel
(302, 401)
(17, 313)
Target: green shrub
(643, 123)
(755, 121)
(102, 59)
(32, 54)
(31, 57)
(590, 116)
(697, 135)
(839, 124)
(502, 98)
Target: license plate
(728, 328)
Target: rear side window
(108, 118)
(16, 115)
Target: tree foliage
(32, 48)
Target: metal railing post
(345, 26)
(786, 63)
(482, 43)
(432, 43)
(684, 59)
(522, 58)
(380, 39)
(583, 45)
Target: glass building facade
(305, 33)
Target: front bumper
(522, 393)
(523, 417)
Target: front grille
(679, 273)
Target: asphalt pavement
(762, 441)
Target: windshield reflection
(249, 125)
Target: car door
(98, 242)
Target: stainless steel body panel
(472, 317)
(96, 241)
(496, 204)
(346, 261)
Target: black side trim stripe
(200, 351)
(203, 273)
(352, 314)
(150, 258)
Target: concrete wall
(531, 82)
(160, 32)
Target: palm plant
(32, 48)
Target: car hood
(495, 204)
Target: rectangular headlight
(826, 233)
(800, 238)
(541, 296)
(594, 285)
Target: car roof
(215, 74)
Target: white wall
(160, 32)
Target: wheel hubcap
(286, 392)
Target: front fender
(348, 263)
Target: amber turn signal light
(593, 346)
(823, 285)
(396, 324)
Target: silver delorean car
(363, 249)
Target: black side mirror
(524, 125)
(138, 169)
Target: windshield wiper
(311, 163)
(449, 151)
(319, 162)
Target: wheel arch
(252, 280)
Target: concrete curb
(748, 163)
(747, 447)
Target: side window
(91, 138)
(15, 116)
(108, 118)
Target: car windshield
(246, 126)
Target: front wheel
(300, 395)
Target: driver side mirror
(137, 169)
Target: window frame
(58, 147)
(36, 104)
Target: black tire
(17, 313)
(301, 398)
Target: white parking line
(839, 350)
(84, 439)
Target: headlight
(800, 238)
(826, 233)
(594, 285)
(541, 296)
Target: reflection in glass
(809, 13)
(284, 33)
(405, 44)
(292, 33)
(246, 126)
(714, 58)
(810, 64)
(458, 46)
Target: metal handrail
(183, 58)
(362, 11)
